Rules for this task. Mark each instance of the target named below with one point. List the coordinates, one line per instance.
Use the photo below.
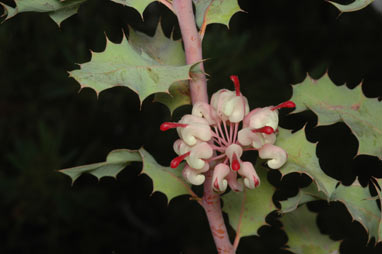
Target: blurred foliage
(47, 124)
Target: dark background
(45, 124)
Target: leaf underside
(354, 6)
(57, 10)
(215, 11)
(165, 179)
(145, 69)
(247, 210)
(304, 236)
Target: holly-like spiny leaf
(57, 10)
(354, 6)
(167, 52)
(165, 179)
(357, 199)
(304, 195)
(304, 236)
(215, 11)
(378, 187)
(124, 65)
(334, 104)
(247, 210)
(302, 159)
(361, 206)
(139, 5)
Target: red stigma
(216, 184)
(235, 80)
(266, 130)
(256, 181)
(287, 104)
(167, 125)
(176, 161)
(235, 163)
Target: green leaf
(361, 206)
(168, 52)
(333, 104)
(304, 236)
(179, 96)
(215, 11)
(354, 6)
(124, 65)
(247, 210)
(378, 188)
(357, 199)
(57, 10)
(165, 179)
(139, 5)
(116, 160)
(304, 195)
(302, 159)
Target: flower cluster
(211, 133)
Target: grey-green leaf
(215, 11)
(124, 65)
(247, 210)
(304, 236)
(57, 10)
(165, 179)
(302, 159)
(354, 6)
(361, 206)
(167, 52)
(334, 104)
(139, 5)
(115, 161)
(304, 195)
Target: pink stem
(212, 207)
(198, 88)
(193, 48)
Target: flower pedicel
(211, 133)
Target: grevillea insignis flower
(211, 134)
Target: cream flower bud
(247, 137)
(195, 128)
(248, 172)
(230, 106)
(195, 155)
(202, 109)
(259, 118)
(219, 183)
(277, 155)
(193, 176)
